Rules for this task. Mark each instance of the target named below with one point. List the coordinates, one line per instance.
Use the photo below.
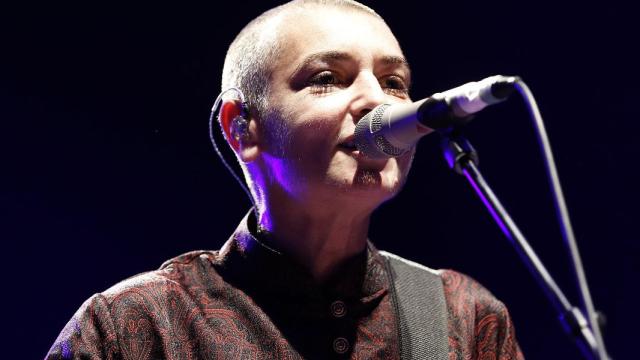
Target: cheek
(397, 169)
(314, 134)
(314, 126)
(314, 131)
(311, 145)
(300, 131)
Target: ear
(245, 146)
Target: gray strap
(422, 312)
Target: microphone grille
(364, 138)
(368, 138)
(386, 147)
(376, 117)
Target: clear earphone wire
(214, 111)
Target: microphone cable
(562, 214)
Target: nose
(367, 94)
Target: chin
(373, 184)
(373, 179)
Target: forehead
(321, 29)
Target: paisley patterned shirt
(248, 301)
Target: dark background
(107, 169)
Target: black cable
(563, 215)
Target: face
(336, 65)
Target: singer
(299, 278)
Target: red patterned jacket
(247, 301)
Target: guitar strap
(418, 296)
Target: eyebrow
(396, 60)
(325, 56)
(328, 56)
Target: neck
(318, 237)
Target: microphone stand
(463, 159)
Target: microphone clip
(457, 150)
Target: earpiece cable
(214, 111)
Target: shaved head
(248, 62)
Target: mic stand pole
(463, 159)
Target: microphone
(390, 130)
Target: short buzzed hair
(247, 64)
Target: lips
(349, 147)
(348, 144)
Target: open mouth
(348, 145)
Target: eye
(323, 81)
(395, 85)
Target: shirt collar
(247, 259)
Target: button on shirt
(341, 345)
(338, 309)
(347, 314)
